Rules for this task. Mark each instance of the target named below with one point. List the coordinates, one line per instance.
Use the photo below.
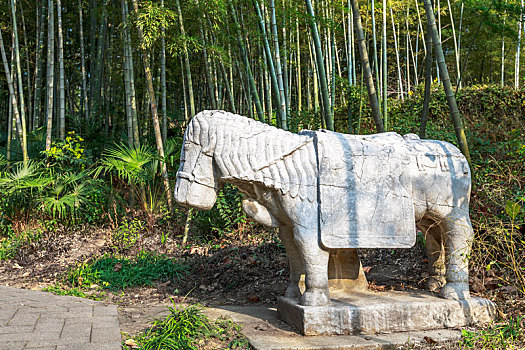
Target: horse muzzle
(193, 194)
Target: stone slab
(359, 206)
(265, 331)
(37, 320)
(370, 313)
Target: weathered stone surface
(364, 200)
(329, 193)
(370, 313)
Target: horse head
(197, 181)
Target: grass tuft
(58, 289)
(116, 273)
(187, 328)
(507, 335)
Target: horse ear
(207, 137)
(196, 130)
(188, 134)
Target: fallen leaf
(367, 269)
(253, 298)
(376, 287)
(25, 274)
(491, 285)
(502, 315)
(430, 340)
(477, 286)
(117, 267)
(506, 289)
(132, 343)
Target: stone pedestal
(369, 313)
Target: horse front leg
(458, 240)
(295, 261)
(315, 265)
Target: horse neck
(237, 166)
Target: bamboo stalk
(328, 120)
(367, 72)
(443, 71)
(50, 71)
(154, 112)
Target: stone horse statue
(330, 193)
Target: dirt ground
(247, 269)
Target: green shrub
(225, 216)
(68, 152)
(96, 206)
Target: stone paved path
(37, 320)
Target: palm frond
(130, 163)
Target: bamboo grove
(136, 70)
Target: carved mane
(248, 150)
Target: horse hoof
(315, 298)
(435, 283)
(455, 290)
(293, 292)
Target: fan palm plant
(134, 165)
(33, 185)
(138, 168)
(66, 192)
(19, 186)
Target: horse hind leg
(315, 266)
(434, 246)
(458, 236)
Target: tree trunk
(320, 66)
(127, 86)
(12, 95)
(299, 73)
(443, 71)
(163, 82)
(29, 108)
(96, 83)
(84, 103)
(518, 49)
(367, 72)
(502, 78)
(428, 83)
(50, 71)
(244, 54)
(22, 114)
(186, 61)
(37, 105)
(456, 48)
(61, 79)
(154, 113)
(396, 46)
(271, 66)
(385, 69)
(375, 64)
